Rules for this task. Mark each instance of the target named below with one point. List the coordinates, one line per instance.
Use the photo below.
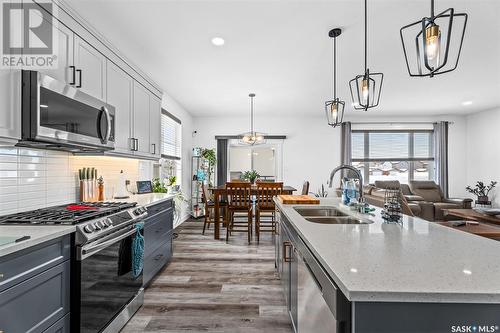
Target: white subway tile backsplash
(32, 179)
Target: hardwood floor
(211, 286)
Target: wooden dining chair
(239, 200)
(210, 209)
(266, 191)
(305, 188)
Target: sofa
(423, 199)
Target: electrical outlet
(127, 182)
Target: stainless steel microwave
(56, 115)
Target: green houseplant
(158, 186)
(250, 175)
(172, 180)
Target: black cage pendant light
(366, 88)
(432, 45)
(252, 138)
(335, 108)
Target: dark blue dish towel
(138, 251)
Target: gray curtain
(345, 147)
(441, 155)
(221, 161)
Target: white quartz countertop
(146, 199)
(38, 234)
(416, 261)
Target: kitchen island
(416, 276)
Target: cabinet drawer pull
(158, 257)
(286, 245)
(79, 71)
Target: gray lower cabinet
(61, 326)
(158, 235)
(35, 289)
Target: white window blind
(393, 155)
(170, 137)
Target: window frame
(411, 150)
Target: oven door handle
(104, 138)
(87, 252)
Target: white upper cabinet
(119, 90)
(90, 69)
(10, 104)
(141, 119)
(155, 125)
(63, 71)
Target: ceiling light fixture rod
(334, 68)
(252, 95)
(366, 36)
(432, 9)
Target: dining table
(220, 191)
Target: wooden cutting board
(298, 200)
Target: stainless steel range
(105, 293)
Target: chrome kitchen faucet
(358, 174)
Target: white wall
(483, 153)
(312, 148)
(310, 152)
(172, 106)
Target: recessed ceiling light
(218, 41)
(467, 272)
(44, 106)
(354, 270)
(467, 103)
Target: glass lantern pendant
(252, 138)
(432, 46)
(366, 88)
(335, 108)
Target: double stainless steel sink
(328, 215)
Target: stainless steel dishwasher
(314, 302)
(313, 312)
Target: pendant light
(366, 88)
(435, 42)
(252, 138)
(335, 108)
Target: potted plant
(481, 191)
(158, 186)
(250, 175)
(211, 157)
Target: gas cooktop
(66, 214)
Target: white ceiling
(280, 50)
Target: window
(265, 159)
(402, 155)
(170, 136)
(171, 148)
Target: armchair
(431, 192)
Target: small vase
(101, 193)
(483, 199)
